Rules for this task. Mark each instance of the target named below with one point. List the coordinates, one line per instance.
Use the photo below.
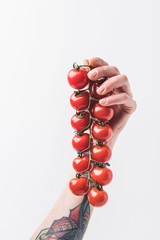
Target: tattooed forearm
(69, 228)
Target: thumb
(86, 62)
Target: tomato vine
(78, 79)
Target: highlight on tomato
(102, 176)
(80, 142)
(78, 186)
(101, 132)
(78, 79)
(102, 113)
(101, 153)
(80, 121)
(80, 101)
(97, 197)
(82, 163)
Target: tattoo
(69, 228)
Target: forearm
(69, 216)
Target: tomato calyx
(79, 154)
(80, 92)
(99, 187)
(100, 143)
(80, 114)
(77, 67)
(101, 164)
(78, 175)
(78, 133)
(101, 123)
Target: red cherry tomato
(102, 176)
(81, 121)
(79, 186)
(80, 102)
(78, 79)
(101, 154)
(97, 198)
(82, 163)
(94, 87)
(102, 133)
(102, 113)
(80, 143)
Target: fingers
(85, 61)
(96, 62)
(120, 81)
(129, 105)
(103, 71)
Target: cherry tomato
(102, 133)
(102, 113)
(101, 154)
(81, 121)
(94, 87)
(97, 198)
(80, 143)
(78, 79)
(79, 186)
(81, 101)
(102, 176)
(82, 163)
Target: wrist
(112, 141)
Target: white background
(39, 41)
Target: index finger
(97, 62)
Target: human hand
(122, 98)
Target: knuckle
(97, 71)
(104, 68)
(115, 69)
(125, 78)
(102, 71)
(96, 59)
(85, 61)
(125, 96)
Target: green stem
(82, 130)
(95, 99)
(83, 150)
(81, 91)
(90, 135)
(79, 111)
(100, 162)
(95, 119)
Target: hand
(122, 97)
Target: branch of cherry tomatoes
(93, 154)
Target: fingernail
(94, 73)
(103, 101)
(100, 90)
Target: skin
(122, 99)
(124, 106)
